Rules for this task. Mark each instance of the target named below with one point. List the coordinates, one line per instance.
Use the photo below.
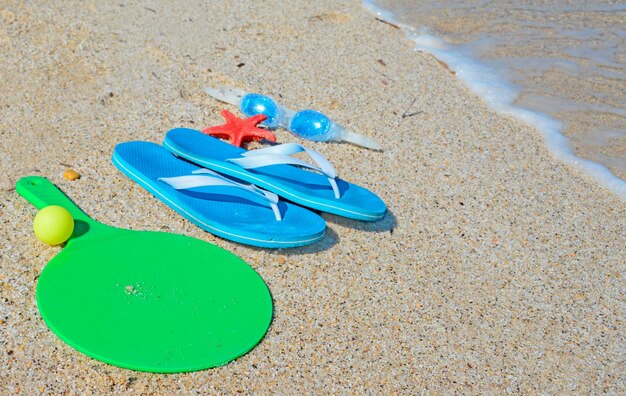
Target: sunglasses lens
(253, 104)
(311, 124)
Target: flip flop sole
(303, 187)
(220, 211)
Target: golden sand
(497, 269)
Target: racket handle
(40, 192)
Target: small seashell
(71, 174)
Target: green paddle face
(144, 300)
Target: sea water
(557, 65)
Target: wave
(500, 95)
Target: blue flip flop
(274, 169)
(226, 207)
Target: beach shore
(497, 268)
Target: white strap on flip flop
(206, 177)
(280, 155)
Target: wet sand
(561, 59)
(497, 269)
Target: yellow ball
(53, 225)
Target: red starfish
(240, 130)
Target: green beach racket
(144, 300)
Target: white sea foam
(501, 95)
